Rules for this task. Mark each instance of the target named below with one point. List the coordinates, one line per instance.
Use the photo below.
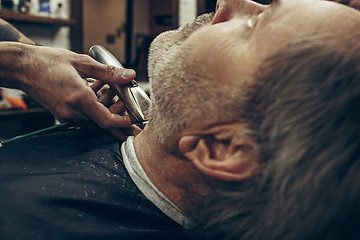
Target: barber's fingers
(97, 85)
(105, 119)
(90, 68)
(117, 108)
(133, 130)
(65, 113)
(122, 134)
(106, 96)
(101, 115)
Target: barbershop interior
(252, 131)
(123, 27)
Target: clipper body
(135, 99)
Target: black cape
(72, 184)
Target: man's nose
(227, 9)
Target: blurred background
(125, 27)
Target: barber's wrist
(11, 64)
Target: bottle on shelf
(24, 6)
(44, 7)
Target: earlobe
(230, 160)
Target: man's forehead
(321, 12)
(351, 3)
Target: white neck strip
(145, 185)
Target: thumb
(113, 75)
(105, 73)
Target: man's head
(307, 124)
(203, 75)
(224, 87)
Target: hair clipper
(135, 100)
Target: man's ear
(223, 153)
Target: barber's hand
(107, 97)
(57, 79)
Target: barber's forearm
(13, 47)
(13, 63)
(10, 33)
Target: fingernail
(128, 73)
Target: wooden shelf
(27, 18)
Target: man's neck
(167, 172)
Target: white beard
(169, 78)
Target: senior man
(210, 131)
